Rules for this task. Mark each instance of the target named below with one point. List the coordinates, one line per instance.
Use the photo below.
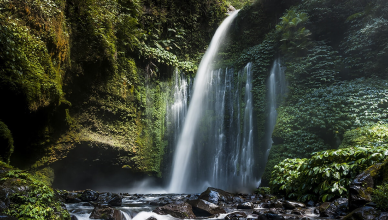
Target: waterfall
(183, 152)
(276, 89)
(223, 155)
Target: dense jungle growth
(93, 78)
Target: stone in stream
(205, 208)
(215, 196)
(236, 216)
(245, 205)
(72, 197)
(89, 195)
(106, 213)
(365, 212)
(270, 216)
(111, 199)
(290, 205)
(182, 210)
(334, 209)
(73, 217)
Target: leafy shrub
(38, 201)
(263, 190)
(380, 197)
(326, 175)
(293, 32)
(374, 135)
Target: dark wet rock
(215, 196)
(111, 199)
(361, 187)
(4, 199)
(276, 204)
(238, 199)
(205, 208)
(7, 217)
(73, 217)
(265, 205)
(305, 218)
(258, 212)
(151, 218)
(236, 216)
(106, 212)
(298, 211)
(383, 216)
(245, 205)
(366, 212)
(89, 195)
(334, 209)
(310, 203)
(292, 205)
(275, 210)
(86, 204)
(183, 210)
(316, 211)
(193, 197)
(72, 197)
(270, 216)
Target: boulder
(72, 197)
(366, 212)
(204, 208)
(73, 217)
(383, 216)
(106, 212)
(361, 187)
(290, 205)
(276, 204)
(215, 196)
(236, 216)
(89, 195)
(270, 216)
(182, 210)
(245, 205)
(298, 211)
(111, 199)
(334, 209)
(151, 218)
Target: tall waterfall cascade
(182, 159)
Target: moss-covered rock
(6, 143)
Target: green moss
(6, 143)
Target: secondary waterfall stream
(276, 89)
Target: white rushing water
(185, 144)
(276, 88)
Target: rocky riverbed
(211, 204)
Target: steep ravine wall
(81, 75)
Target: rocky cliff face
(92, 74)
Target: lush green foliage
(380, 197)
(374, 135)
(326, 175)
(32, 199)
(293, 33)
(263, 190)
